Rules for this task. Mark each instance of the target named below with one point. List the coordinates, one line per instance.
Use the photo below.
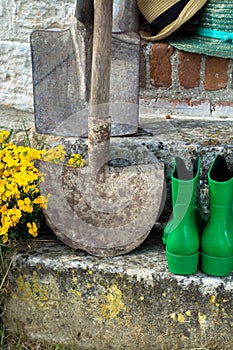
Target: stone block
(15, 75)
(16, 118)
(19, 18)
(130, 302)
(185, 107)
(222, 109)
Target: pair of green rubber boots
(191, 241)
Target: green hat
(214, 35)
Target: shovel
(104, 210)
(61, 72)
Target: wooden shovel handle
(101, 54)
(98, 122)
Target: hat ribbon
(216, 34)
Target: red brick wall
(178, 79)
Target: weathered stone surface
(127, 302)
(222, 108)
(124, 83)
(16, 118)
(19, 18)
(15, 76)
(176, 106)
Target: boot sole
(182, 264)
(216, 266)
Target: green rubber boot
(181, 234)
(217, 236)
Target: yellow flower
(42, 201)
(4, 238)
(76, 161)
(4, 134)
(19, 187)
(54, 155)
(15, 215)
(32, 229)
(25, 205)
(71, 161)
(3, 230)
(3, 208)
(10, 218)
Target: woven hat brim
(202, 45)
(188, 11)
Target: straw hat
(214, 35)
(166, 16)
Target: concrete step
(83, 302)
(58, 295)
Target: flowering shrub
(21, 205)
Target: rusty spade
(102, 209)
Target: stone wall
(17, 20)
(167, 81)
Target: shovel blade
(61, 81)
(59, 87)
(108, 213)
